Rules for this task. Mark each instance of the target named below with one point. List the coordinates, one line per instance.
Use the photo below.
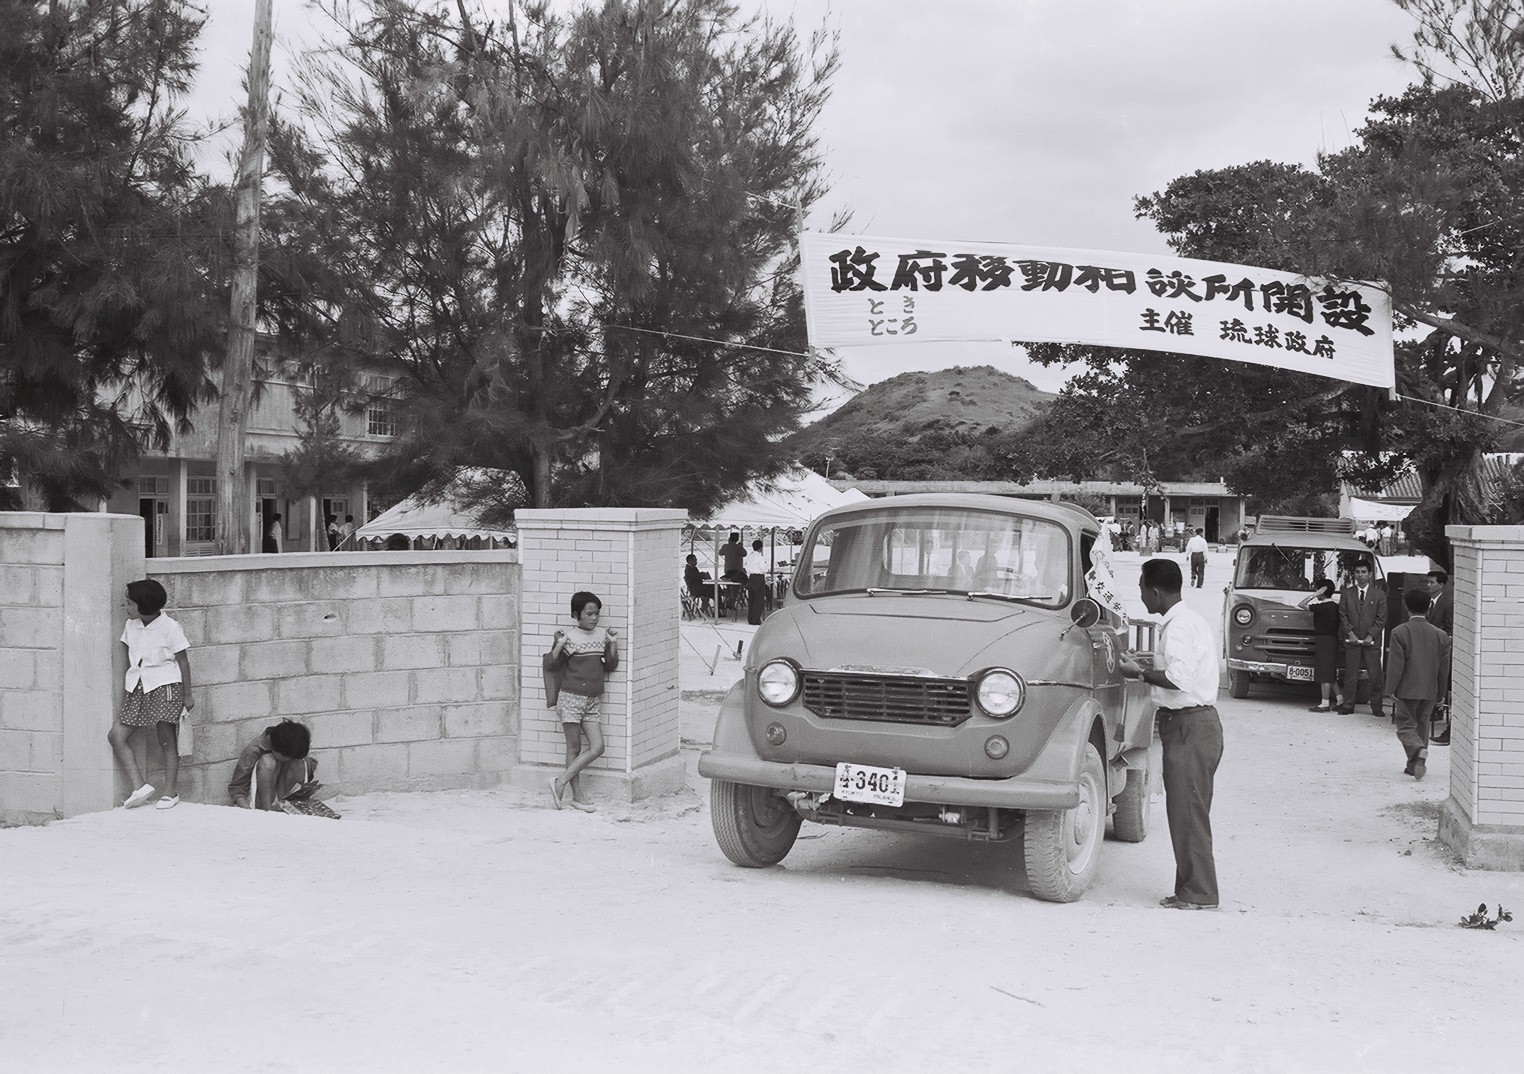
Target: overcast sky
(1026, 121)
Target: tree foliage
(1428, 202)
(563, 242)
(107, 305)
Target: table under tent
(775, 511)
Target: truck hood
(929, 634)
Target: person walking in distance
(587, 655)
(1184, 689)
(1419, 670)
(1362, 621)
(1196, 549)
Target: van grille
(889, 698)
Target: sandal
(555, 795)
(169, 801)
(586, 807)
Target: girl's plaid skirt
(163, 705)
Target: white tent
(448, 517)
(788, 502)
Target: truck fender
(1064, 753)
(731, 735)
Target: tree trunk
(238, 370)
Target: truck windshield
(942, 549)
(1296, 568)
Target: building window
(379, 417)
(200, 509)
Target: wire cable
(1460, 410)
(702, 339)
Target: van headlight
(778, 682)
(1243, 615)
(1001, 693)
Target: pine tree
(107, 309)
(549, 223)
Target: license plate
(1296, 674)
(862, 783)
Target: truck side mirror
(1085, 612)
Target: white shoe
(139, 796)
(167, 802)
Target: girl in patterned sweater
(585, 657)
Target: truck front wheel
(1238, 683)
(754, 826)
(1063, 846)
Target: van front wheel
(1063, 846)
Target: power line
(703, 339)
(1460, 410)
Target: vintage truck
(1266, 632)
(937, 667)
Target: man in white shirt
(1184, 682)
(1196, 548)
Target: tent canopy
(791, 501)
(448, 517)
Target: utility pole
(238, 369)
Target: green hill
(972, 399)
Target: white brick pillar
(631, 558)
(1484, 819)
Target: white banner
(865, 290)
(1102, 588)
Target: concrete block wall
(1484, 817)
(63, 579)
(404, 664)
(630, 558)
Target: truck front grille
(1286, 642)
(889, 698)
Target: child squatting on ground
(273, 767)
(584, 659)
(158, 685)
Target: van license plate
(1296, 674)
(861, 783)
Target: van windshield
(1295, 568)
(940, 549)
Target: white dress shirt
(1197, 543)
(1185, 652)
(151, 652)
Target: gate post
(629, 557)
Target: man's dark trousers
(1192, 740)
(1198, 569)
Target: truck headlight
(778, 682)
(1001, 693)
(1243, 615)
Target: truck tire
(753, 825)
(1238, 683)
(1129, 823)
(1063, 846)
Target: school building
(175, 491)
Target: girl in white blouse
(158, 685)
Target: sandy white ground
(486, 931)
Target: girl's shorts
(574, 708)
(162, 705)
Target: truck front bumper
(1017, 792)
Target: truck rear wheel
(1238, 683)
(754, 826)
(1063, 846)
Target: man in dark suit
(1420, 672)
(1362, 618)
(1442, 615)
